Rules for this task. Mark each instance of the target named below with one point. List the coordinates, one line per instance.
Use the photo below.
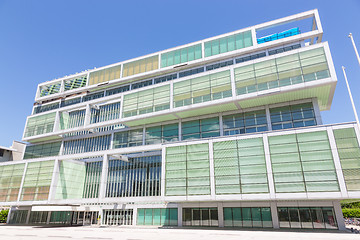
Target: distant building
(224, 132)
(13, 153)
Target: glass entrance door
(200, 217)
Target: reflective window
(247, 122)
(92, 144)
(161, 134)
(93, 96)
(182, 55)
(200, 217)
(307, 217)
(42, 150)
(105, 75)
(157, 216)
(301, 115)
(117, 90)
(45, 108)
(219, 65)
(139, 177)
(227, 44)
(247, 217)
(10, 181)
(128, 138)
(203, 128)
(40, 125)
(250, 57)
(141, 66)
(191, 72)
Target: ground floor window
(247, 217)
(118, 217)
(200, 217)
(157, 216)
(61, 217)
(85, 218)
(38, 217)
(18, 217)
(307, 217)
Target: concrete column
(336, 159)
(28, 216)
(48, 218)
(87, 115)
(268, 118)
(268, 167)
(171, 95)
(220, 214)
(317, 112)
(232, 79)
(212, 174)
(221, 125)
(134, 220)
(103, 179)
(274, 215)
(8, 217)
(180, 212)
(54, 180)
(162, 185)
(339, 215)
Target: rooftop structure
(225, 132)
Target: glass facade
(349, 154)
(141, 66)
(92, 144)
(92, 179)
(203, 128)
(42, 150)
(301, 115)
(283, 71)
(10, 181)
(138, 177)
(259, 217)
(37, 181)
(181, 56)
(157, 216)
(50, 89)
(72, 119)
(202, 89)
(187, 170)
(247, 122)
(128, 138)
(40, 125)
(205, 217)
(105, 113)
(303, 163)
(162, 134)
(71, 180)
(307, 217)
(118, 217)
(147, 101)
(229, 43)
(105, 75)
(239, 167)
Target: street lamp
(353, 43)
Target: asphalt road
(137, 233)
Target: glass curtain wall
(157, 216)
(181, 56)
(303, 163)
(147, 101)
(187, 170)
(18, 217)
(202, 89)
(204, 217)
(203, 128)
(141, 66)
(42, 150)
(40, 125)
(105, 75)
(283, 71)
(128, 138)
(72, 119)
(138, 177)
(349, 154)
(239, 167)
(118, 217)
(307, 217)
(38, 217)
(247, 217)
(293, 116)
(105, 113)
(247, 122)
(92, 179)
(92, 144)
(37, 181)
(229, 43)
(162, 134)
(10, 181)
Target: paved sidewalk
(136, 233)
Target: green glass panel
(164, 216)
(228, 219)
(156, 216)
(141, 216)
(148, 216)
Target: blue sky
(41, 40)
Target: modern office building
(223, 132)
